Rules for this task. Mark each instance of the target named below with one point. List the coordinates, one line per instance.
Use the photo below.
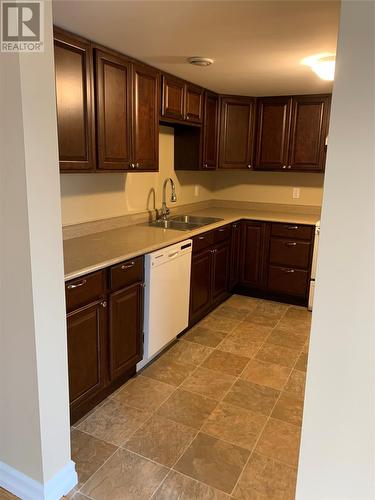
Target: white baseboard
(29, 489)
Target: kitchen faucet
(164, 208)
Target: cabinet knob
(137, 165)
(187, 117)
(104, 303)
(249, 166)
(289, 166)
(205, 165)
(284, 166)
(131, 165)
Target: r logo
(21, 22)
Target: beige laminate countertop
(89, 253)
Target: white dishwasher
(167, 294)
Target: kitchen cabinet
(272, 134)
(74, 102)
(145, 118)
(113, 93)
(254, 248)
(127, 104)
(125, 329)
(210, 131)
(235, 255)
(104, 332)
(181, 101)
(276, 260)
(308, 132)
(236, 132)
(86, 337)
(291, 133)
(173, 98)
(209, 272)
(121, 131)
(193, 103)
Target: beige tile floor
(217, 416)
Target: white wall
(87, 197)
(337, 450)
(34, 425)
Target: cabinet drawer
(203, 241)
(221, 234)
(287, 280)
(286, 252)
(83, 290)
(126, 273)
(292, 231)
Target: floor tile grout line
(92, 475)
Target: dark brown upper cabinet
(181, 101)
(291, 132)
(193, 103)
(145, 117)
(308, 133)
(114, 125)
(210, 131)
(236, 132)
(74, 102)
(173, 98)
(272, 135)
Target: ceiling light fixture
(200, 61)
(323, 65)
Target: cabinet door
(272, 136)
(253, 250)
(309, 129)
(200, 284)
(113, 93)
(235, 255)
(86, 352)
(194, 103)
(237, 127)
(173, 98)
(74, 95)
(210, 131)
(220, 272)
(145, 118)
(125, 329)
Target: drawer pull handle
(221, 230)
(201, 237)
(77, 285)
(173, 254)
(290, 244)
(288, 270)
(104, 303)
(124, 267)
(292, 227)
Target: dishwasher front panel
(167, 296)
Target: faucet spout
(164, 208)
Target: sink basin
(172, 224)
(196, 220)
(184, 222)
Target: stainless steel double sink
(184, 222)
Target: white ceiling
(257, 45)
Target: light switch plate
(296, 193)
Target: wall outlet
(296, 193)
(196, 190)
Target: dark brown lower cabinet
(220, 272)
(276, 260)
(105, 332)
(235, 255)
(254, 248)
(200, 284)
(209, 283)
(86, 337)
(125, 329)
